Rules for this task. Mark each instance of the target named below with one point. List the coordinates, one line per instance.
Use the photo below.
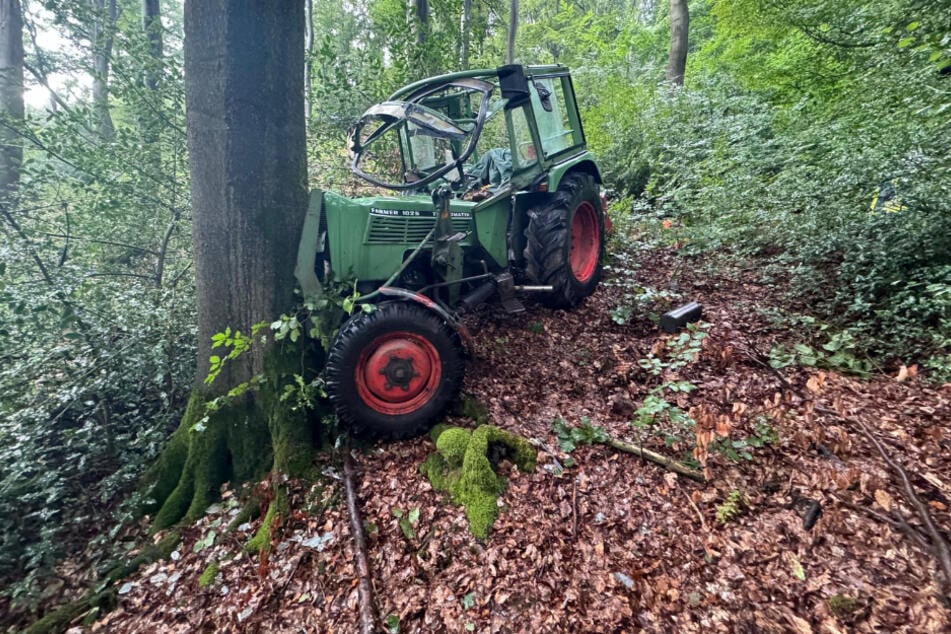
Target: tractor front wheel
(565, 241)
(392, 372)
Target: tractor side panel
(492, 224)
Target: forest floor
(612, 543)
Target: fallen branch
(365, 586)
(668, 463)
(939, 545)
(898, 523)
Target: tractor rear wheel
(392, 372)
(565, 241)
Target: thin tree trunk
(422, 21)
(465, 35)
(152, 25)
(309, 45)
(11, 96)
(679, 29)
(102, 39)
(513, 28)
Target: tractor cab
(476, 133)
(493, 197)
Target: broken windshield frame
(410, 117)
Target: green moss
(474, 410)
(207, 576)
(437, 431)
(60, 619)
(94, 603)
(240, 442)
(276, 511)
(842, 605)
(452, 444)
(461, 466)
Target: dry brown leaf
(883, 499)
(723, 426)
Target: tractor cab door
(556, 114)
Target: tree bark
(513, 29)
(422, 21)
(679, 29)
(244, 82)
(465, 35)
(106, 13)
(309, 46)
(11, 96)
(152, 26)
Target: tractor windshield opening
(429, 134)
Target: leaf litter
(605, 541)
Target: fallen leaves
(612, 543)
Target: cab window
(555, 128)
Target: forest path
(613, 543)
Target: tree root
(103, 598)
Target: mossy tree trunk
(244, 65)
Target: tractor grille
(405, 229)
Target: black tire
(571, 265)
(393, 372)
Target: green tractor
(496, 197)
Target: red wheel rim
(585, 242)
(398, 373)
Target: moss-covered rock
(463, 466)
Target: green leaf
(392, 623)
(414, 515)
(797, 569)
(468, 601)
(912, 26)
(905, 42)
(407, 527)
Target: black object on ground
(675, 320)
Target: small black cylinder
(675, 320)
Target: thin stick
(365, 587)
(668, 463)
(703, 522)
(899, 525)
(574, 508)
(939, 544)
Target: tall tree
(422, 21)
(679, 29)
(102, 37)
(152, 25)
(513, 29)
(244, 62)
(465, 34)
(11, 96)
